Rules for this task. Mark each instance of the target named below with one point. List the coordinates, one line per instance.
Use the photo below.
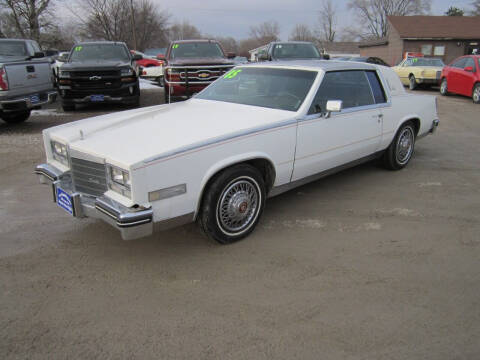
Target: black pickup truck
(99, 72)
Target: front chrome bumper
(132, 223)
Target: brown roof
(437, 27)
(377, 42)
(347, 47)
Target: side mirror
(468, 68)
(333, 106)
(161, 57)
(38, 55)
(231, 55)
(137, 57)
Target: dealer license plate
(34, 99)
(64, 200)
(97, 98)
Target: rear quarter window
(377, 89)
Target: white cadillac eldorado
(256, 132)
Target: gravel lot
(365, 264)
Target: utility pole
(132, 16)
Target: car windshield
(13, 48)
(295, 51)
(196, 50)
(283, 89)
(100, 52)
(424, 62)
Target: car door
(466, 79)
(326, 142)
(454, 75)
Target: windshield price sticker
(232, 74)
(78, 48)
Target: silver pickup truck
(25, 79)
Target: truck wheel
(400, 151)
(232, 204)
(68, 107)
(412, 84)
(15, 117)
(444, 87)
(476, 94)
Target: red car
(462, 77)
(146, 61)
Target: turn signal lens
(3, 79)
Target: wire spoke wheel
(476, 94)
(405, 145)
(238, 206)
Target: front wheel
(400, 151)
(412, 84)
(15, 117)
(444, 87)
(233, 204)
(476, 94)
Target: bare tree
(327, 19)
(301, 32)
(374, 13)
(111, 20)
(228, 43)
(183, 31)
(265, 32)
(476, 8)
(28, 17)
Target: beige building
(445, 37)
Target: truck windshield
(295, 51)
(283, 89)
(196, 50)
(99, 52)
(13, 48)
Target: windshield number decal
(175, 46)
(78, 48)
(232, 74)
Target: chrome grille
(88, 177)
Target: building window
(439, 50)
(427, 49)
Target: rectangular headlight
(64, 74)
(118, 180)
(59, 152)
(126, 72)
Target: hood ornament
(81, 135)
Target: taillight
(3, 79)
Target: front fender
(225, 163)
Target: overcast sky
(234, 18)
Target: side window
(36, 47)
(377, 89)
(352, 87)
(469, 62)
(459, 63)
(30, 48)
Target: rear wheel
(232, 204)
(400, 151)
(15, 117)
(412, 83)
(476, 94)
(444, 87)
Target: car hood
(131, 137)
(94, 65)
(200, 61)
